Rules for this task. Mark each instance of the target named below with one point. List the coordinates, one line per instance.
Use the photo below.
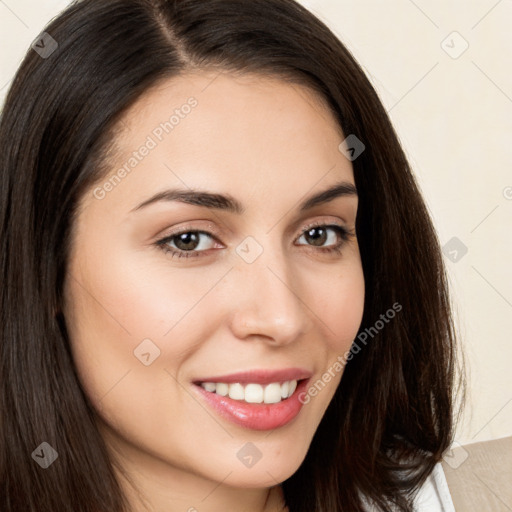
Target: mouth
(253, 393)
(258, 400)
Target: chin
(268, 471)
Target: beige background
(453, 112)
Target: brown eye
(186, 243)
(318, 235)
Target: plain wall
(452, 109)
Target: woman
(222, 288)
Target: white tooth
(293, 387)
(285, 386)
(222, 389)
(272, 393)
(209, 386)
(236, 391)
(254, 393)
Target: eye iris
(319, 240)
(184, 240)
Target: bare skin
(270, 145)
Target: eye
(318, 234)
(186, 243)
(190, 243)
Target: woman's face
(260, 292)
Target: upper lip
(259, 376)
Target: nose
(264, 302)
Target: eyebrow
(230, 204)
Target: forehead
(224, 131)
(226, 102)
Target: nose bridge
(265, 302)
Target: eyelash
(343, 233)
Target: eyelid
(323, 223)
(212, 230)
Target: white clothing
(433, 496)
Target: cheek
(340, 309)
(123, 307)
(339, 304)
(116, 304)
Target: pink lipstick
(255, 399)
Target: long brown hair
(392, 416)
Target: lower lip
(256, 416)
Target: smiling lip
(260, 376)
(257, 416)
